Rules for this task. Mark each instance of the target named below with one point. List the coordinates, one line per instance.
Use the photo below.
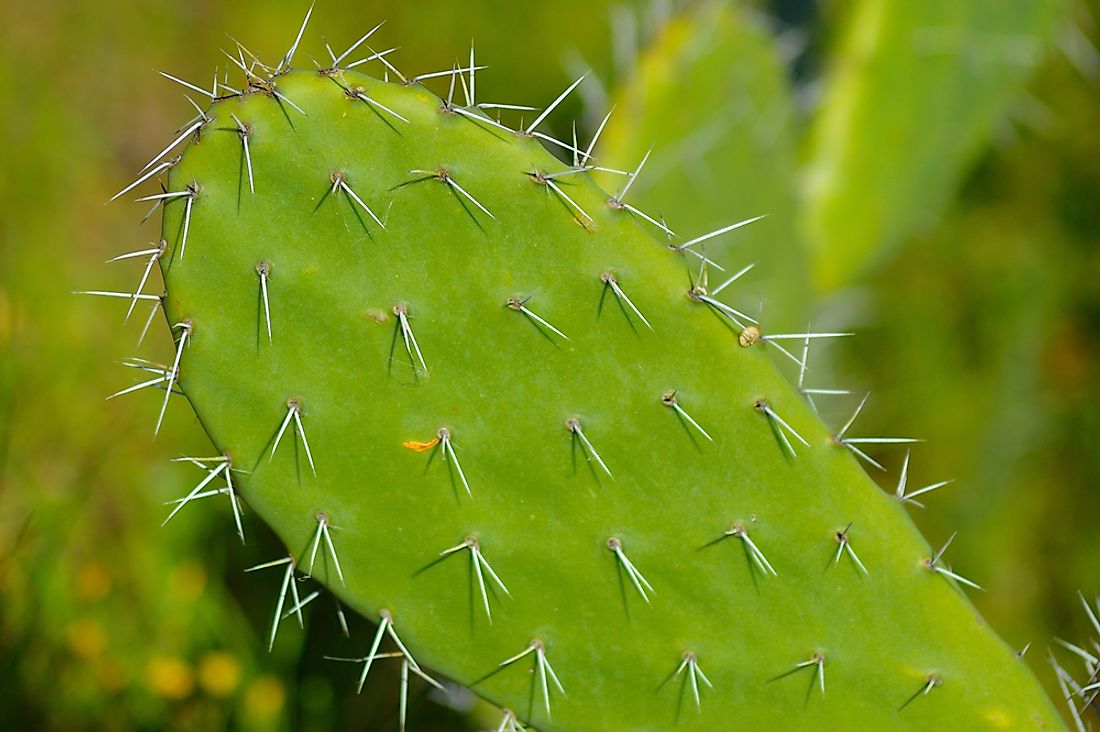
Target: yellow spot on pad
(998, 718)
(378, 316)
(420, 446)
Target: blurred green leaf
(711, 97)
(915, 91)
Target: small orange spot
(420, 446)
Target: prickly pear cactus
(505, 413)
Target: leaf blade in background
(883, 160)
(711, 96)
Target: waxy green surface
(541, 511)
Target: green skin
(541, 509)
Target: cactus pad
(487, 404)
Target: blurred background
(931, 173)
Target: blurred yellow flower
(188, 579)
(169, 677)
(93, 581)
(265, 697)
(219, 673)
(86, 638)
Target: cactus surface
(487, 404)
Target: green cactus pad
(479, 377)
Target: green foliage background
(931, 173)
